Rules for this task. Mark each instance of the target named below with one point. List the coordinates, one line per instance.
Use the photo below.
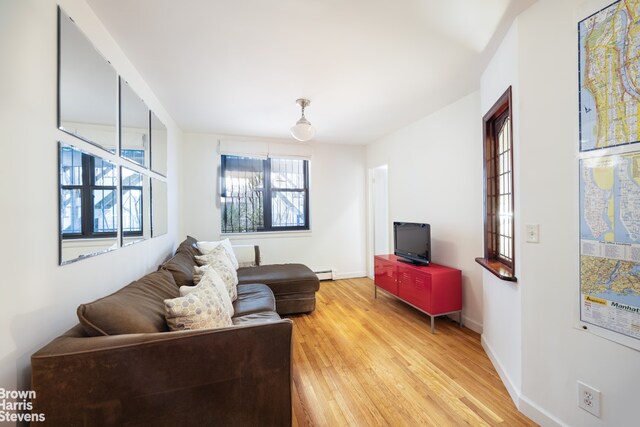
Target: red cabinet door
(386, 275)
(415, 288)
(447, 291)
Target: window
(136, 156)
(264, 194)
(499, 256)
(132, 201)
(88, 195)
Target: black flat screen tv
(412, 242)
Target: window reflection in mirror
(136, 224)
(134, 126)
(88, 204)
(159, 221)
(87, 88)
(158, 145)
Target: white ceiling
(369, 67)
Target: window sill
(498, 269)
(266, 234)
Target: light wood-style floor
(368, 362)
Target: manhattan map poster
(610, 242)
(609, 73)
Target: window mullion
(267, 199)
(87, 196)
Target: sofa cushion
(253, 298)
(261, 317)
(136, 308)
(201, 308)
(281, 278)
(181, 267)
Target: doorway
(378, 214)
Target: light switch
(533, 233)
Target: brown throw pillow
(189, 246)
(136, 308)
(181, 267)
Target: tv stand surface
(436, 290)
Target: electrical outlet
(533, 233)
(589, 399)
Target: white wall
(337, 207)
(39, 297)
(435, 176)
(502, 312)
(554, 353)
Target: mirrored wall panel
(159, 205)
(87, 88)
(136, 206)
(158, 145)
(88, 204)
(134, 126)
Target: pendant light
(303, 131)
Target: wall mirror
(159, 205)
(88, 204)
(87, 88)
(134, 126)
(158, 145)
(135, 202)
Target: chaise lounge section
(293, 285)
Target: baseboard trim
(524, 404)
(471, 324)
(537, 414)
(349, 275)
(513, 391)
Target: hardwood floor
(368, 362)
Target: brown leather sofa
(121, 365)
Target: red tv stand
(434, 289)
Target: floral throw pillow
(199, 271)
(210, 278)
(219, 261)
(207, 247)
(200, 309)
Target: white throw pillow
(210, 278)
(206, 247)
(200, 309)
(218, 259)
(198, 272)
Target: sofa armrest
(234, 376)
(247, 255)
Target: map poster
(609, 76)
(610, 242)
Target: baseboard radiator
(324, 274)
